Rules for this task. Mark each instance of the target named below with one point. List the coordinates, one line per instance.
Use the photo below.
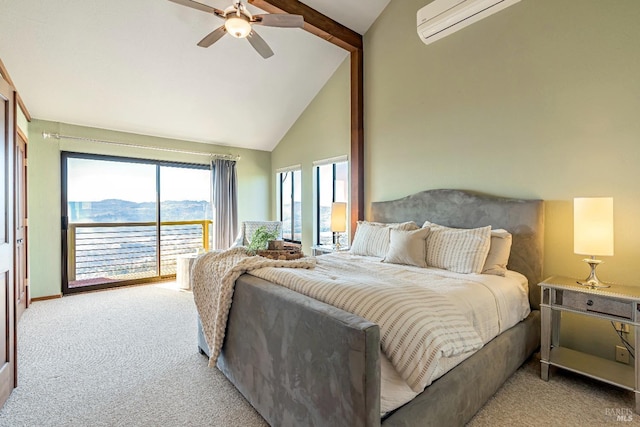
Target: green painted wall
(254, 186)
(540, 100)
(321, 132)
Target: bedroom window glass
(331, 186)
(290, 212)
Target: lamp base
(592, 281)
(337, 245)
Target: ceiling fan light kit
(237, 27)
(238, 22)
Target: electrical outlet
(621, 327)
(622, 354)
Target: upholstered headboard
(524, 219)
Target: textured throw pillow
(499, 251)
(457, 249)
(372, 238)
(408, 247)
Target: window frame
(317, 165)
(280, 177)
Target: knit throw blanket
(213, 278)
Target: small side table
(318, 250)
(183, 268)
(617, 303)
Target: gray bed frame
(300, 362)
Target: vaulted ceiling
(134, 66)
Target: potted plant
(260, 239)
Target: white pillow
(408, 247)
(372, 238)
(499, 252)
(457, 249)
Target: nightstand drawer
(587, 302)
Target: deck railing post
(205, 235)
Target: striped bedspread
(418, 326)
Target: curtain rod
(47, 135)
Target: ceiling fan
(238, 22)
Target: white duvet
(491, 304)
(498, 304)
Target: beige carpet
(128, 357)
(566, 400)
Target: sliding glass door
(184, 203)
(127, 220)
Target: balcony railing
(112, 252)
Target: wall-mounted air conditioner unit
(443, 17)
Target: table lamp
(338, 220)
(593, 233)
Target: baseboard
(46, 298)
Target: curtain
(224, 190)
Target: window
(290, 212)
(332, 177)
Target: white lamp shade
(593, 226)
(338, 217)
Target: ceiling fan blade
(213, 37)
(200, 6)
(283, 20)
(259, 44)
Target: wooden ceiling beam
(314, 22)
(357, 139)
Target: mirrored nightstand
(617, 304)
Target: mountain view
(115, 210)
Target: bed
(299, 361)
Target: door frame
(8, 368)
(64, 157)
(20, 198)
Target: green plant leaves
(260, 239)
